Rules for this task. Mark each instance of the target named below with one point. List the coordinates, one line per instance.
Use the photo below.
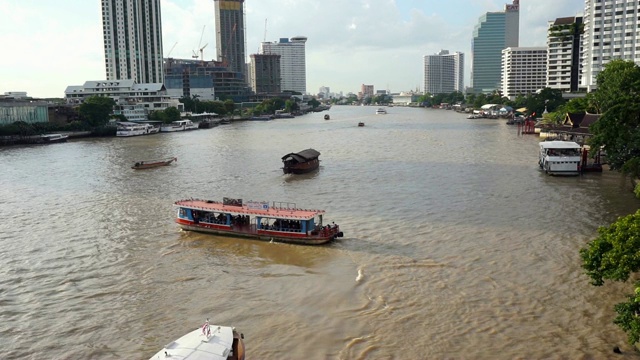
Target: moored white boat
(180, 125)
(211, 342)
(54, 138)
(560, 157)
(126, 129)
(381, 111)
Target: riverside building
(444, 72)
(611, 31)
(293, 68)
(494, 32)
(524, 70)
(563, 62)
(132, 34)
(134, 101)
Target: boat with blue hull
(282, 222)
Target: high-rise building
(293, 64)
(230, 37)
(494, 32)
(611, 31)
(563, 62)
(132, 31)
(366, 91)
(524, 70)
(265, 73)
(444, 72)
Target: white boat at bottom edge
(211, 342)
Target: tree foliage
(95, 110)
(567, 32)
(313, 103)
(614, 255)
(194, 105)
(618, 129)
(291, 105)
(269, 106)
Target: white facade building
(563, 62)
(135, 101)
(524, 70)
(293, 66)
(444, 72)
(132, 31)
(611, 31)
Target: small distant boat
(54, 138)
(148, 164)
(206, 342)
(381, 111)
(301, 162)
(280, 221)
(360, 124)
(180, 125)
(327, 117)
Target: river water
(456, 245)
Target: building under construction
(208, 80)
(230, 36)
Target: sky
(49, 45)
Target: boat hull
(140, 166)
(264, 235)
(302, 168)
(54, 138)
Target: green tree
(618, 129)
(229, 106)
(291, 106)
(566, 32)
(313, 103)
(614, 255)
(95, 110)
(546, 98)
(172, 114)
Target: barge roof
(271, 212)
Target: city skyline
(373, 42)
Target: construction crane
(173, 47)
(195, 56)
(264, 39)
(169, 59)
(201, 53)
(265, 30)
(226, 61)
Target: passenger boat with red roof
(279, 221)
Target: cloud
(379, 42)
